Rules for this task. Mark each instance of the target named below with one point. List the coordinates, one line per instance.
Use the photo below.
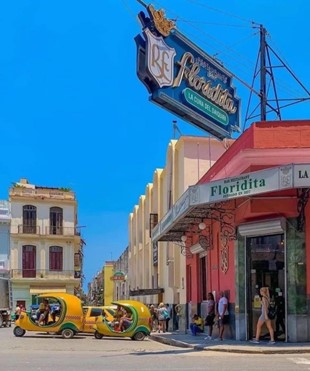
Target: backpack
(272, 311)
(165, 314)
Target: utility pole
(263, 96)
(269, 100)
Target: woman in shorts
(265, 300)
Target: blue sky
(74, 114)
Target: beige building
(45, 241)
(157, 272)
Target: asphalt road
(44, 352)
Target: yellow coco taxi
(59, 313)
(91, 314)
(131, 319)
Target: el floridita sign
(183, 79)
(245, 185)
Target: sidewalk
(198, 342)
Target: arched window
(56, 259)
(29, 261)
(56, 219)
(29, 219)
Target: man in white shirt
(222, 314)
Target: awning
(42, 290)
(200, 200)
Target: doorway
(266, 268)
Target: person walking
(265, 301)
(210, 315)
(162, 315)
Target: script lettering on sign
(216, 93)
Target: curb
(229, 349)
(173, 342)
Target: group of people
(161, 316)
(43, 314)
(220, 312)
(122, 319)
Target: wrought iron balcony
(50, 230)
(43, 274)
(62, 231)
(28, 229)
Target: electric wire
(219, 11)
(238, 62)
(130, 10)
(283, 83)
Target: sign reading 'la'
(183, 79)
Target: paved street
(46, 352)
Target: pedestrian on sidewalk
(153, 312)
(280, 308)
(222, 314)
(177, 315)
(210, 315)
(197, 325)
(265, 302)
(162, 315)
(169, 310)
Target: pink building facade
(245, 225)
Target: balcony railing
(28, 229)
(62, 231)
(43, 274)
(50, 230)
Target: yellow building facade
(108, 283)
(45, 242)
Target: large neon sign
(183, 79)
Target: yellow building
(108, 283)
(45, 242)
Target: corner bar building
(246, 224)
